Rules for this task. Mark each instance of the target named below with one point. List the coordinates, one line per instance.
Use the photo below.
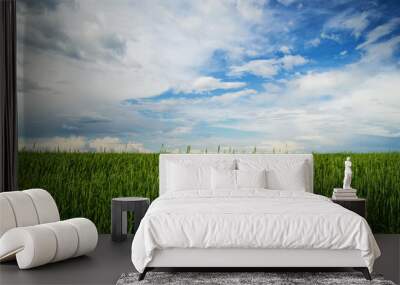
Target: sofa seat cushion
(40, 244)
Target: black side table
(358, 205)
(119, 207)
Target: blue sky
(285, 75)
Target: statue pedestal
(340, 193)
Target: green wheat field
(84, 183)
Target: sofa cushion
(40, 244)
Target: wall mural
(128, 76)
(145, 75)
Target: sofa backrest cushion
(26, 208)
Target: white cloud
(380, 32)
(272, 87)
(314, 42)
(265, 146)
(290, 61)
(323, 36)
(157, 47)
(67, 144)
(269, 67)
(208, 83)
(315, 139)
(356, 22)
(331, 36)
(251, 10)
(322, 83)
(285, 49)
(114, 144)
(343, 53)
(377, 131)
(152, 53)
(181, 130)
(229, 97)
(93, 55)
(377, 53)
(315, 111)
(69, 128)
(80, 144)
(280, 146)
(260, 67)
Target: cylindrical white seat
(32, 246)
(7, 220)
(67, 240)
(23, 208)
(31, 232)
(45, 205)
(87, 234)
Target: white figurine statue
(347, 174)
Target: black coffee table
(119, 207)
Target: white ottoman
(31, 232)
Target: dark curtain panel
(8, 97)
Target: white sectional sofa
(31, 231)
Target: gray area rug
(225, 278)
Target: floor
(110, 260)
(103, 266)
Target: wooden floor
(110, 260)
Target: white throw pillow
(251, 178)
(288, 178)
(188, 177)
(281, 174)
(223, 179)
